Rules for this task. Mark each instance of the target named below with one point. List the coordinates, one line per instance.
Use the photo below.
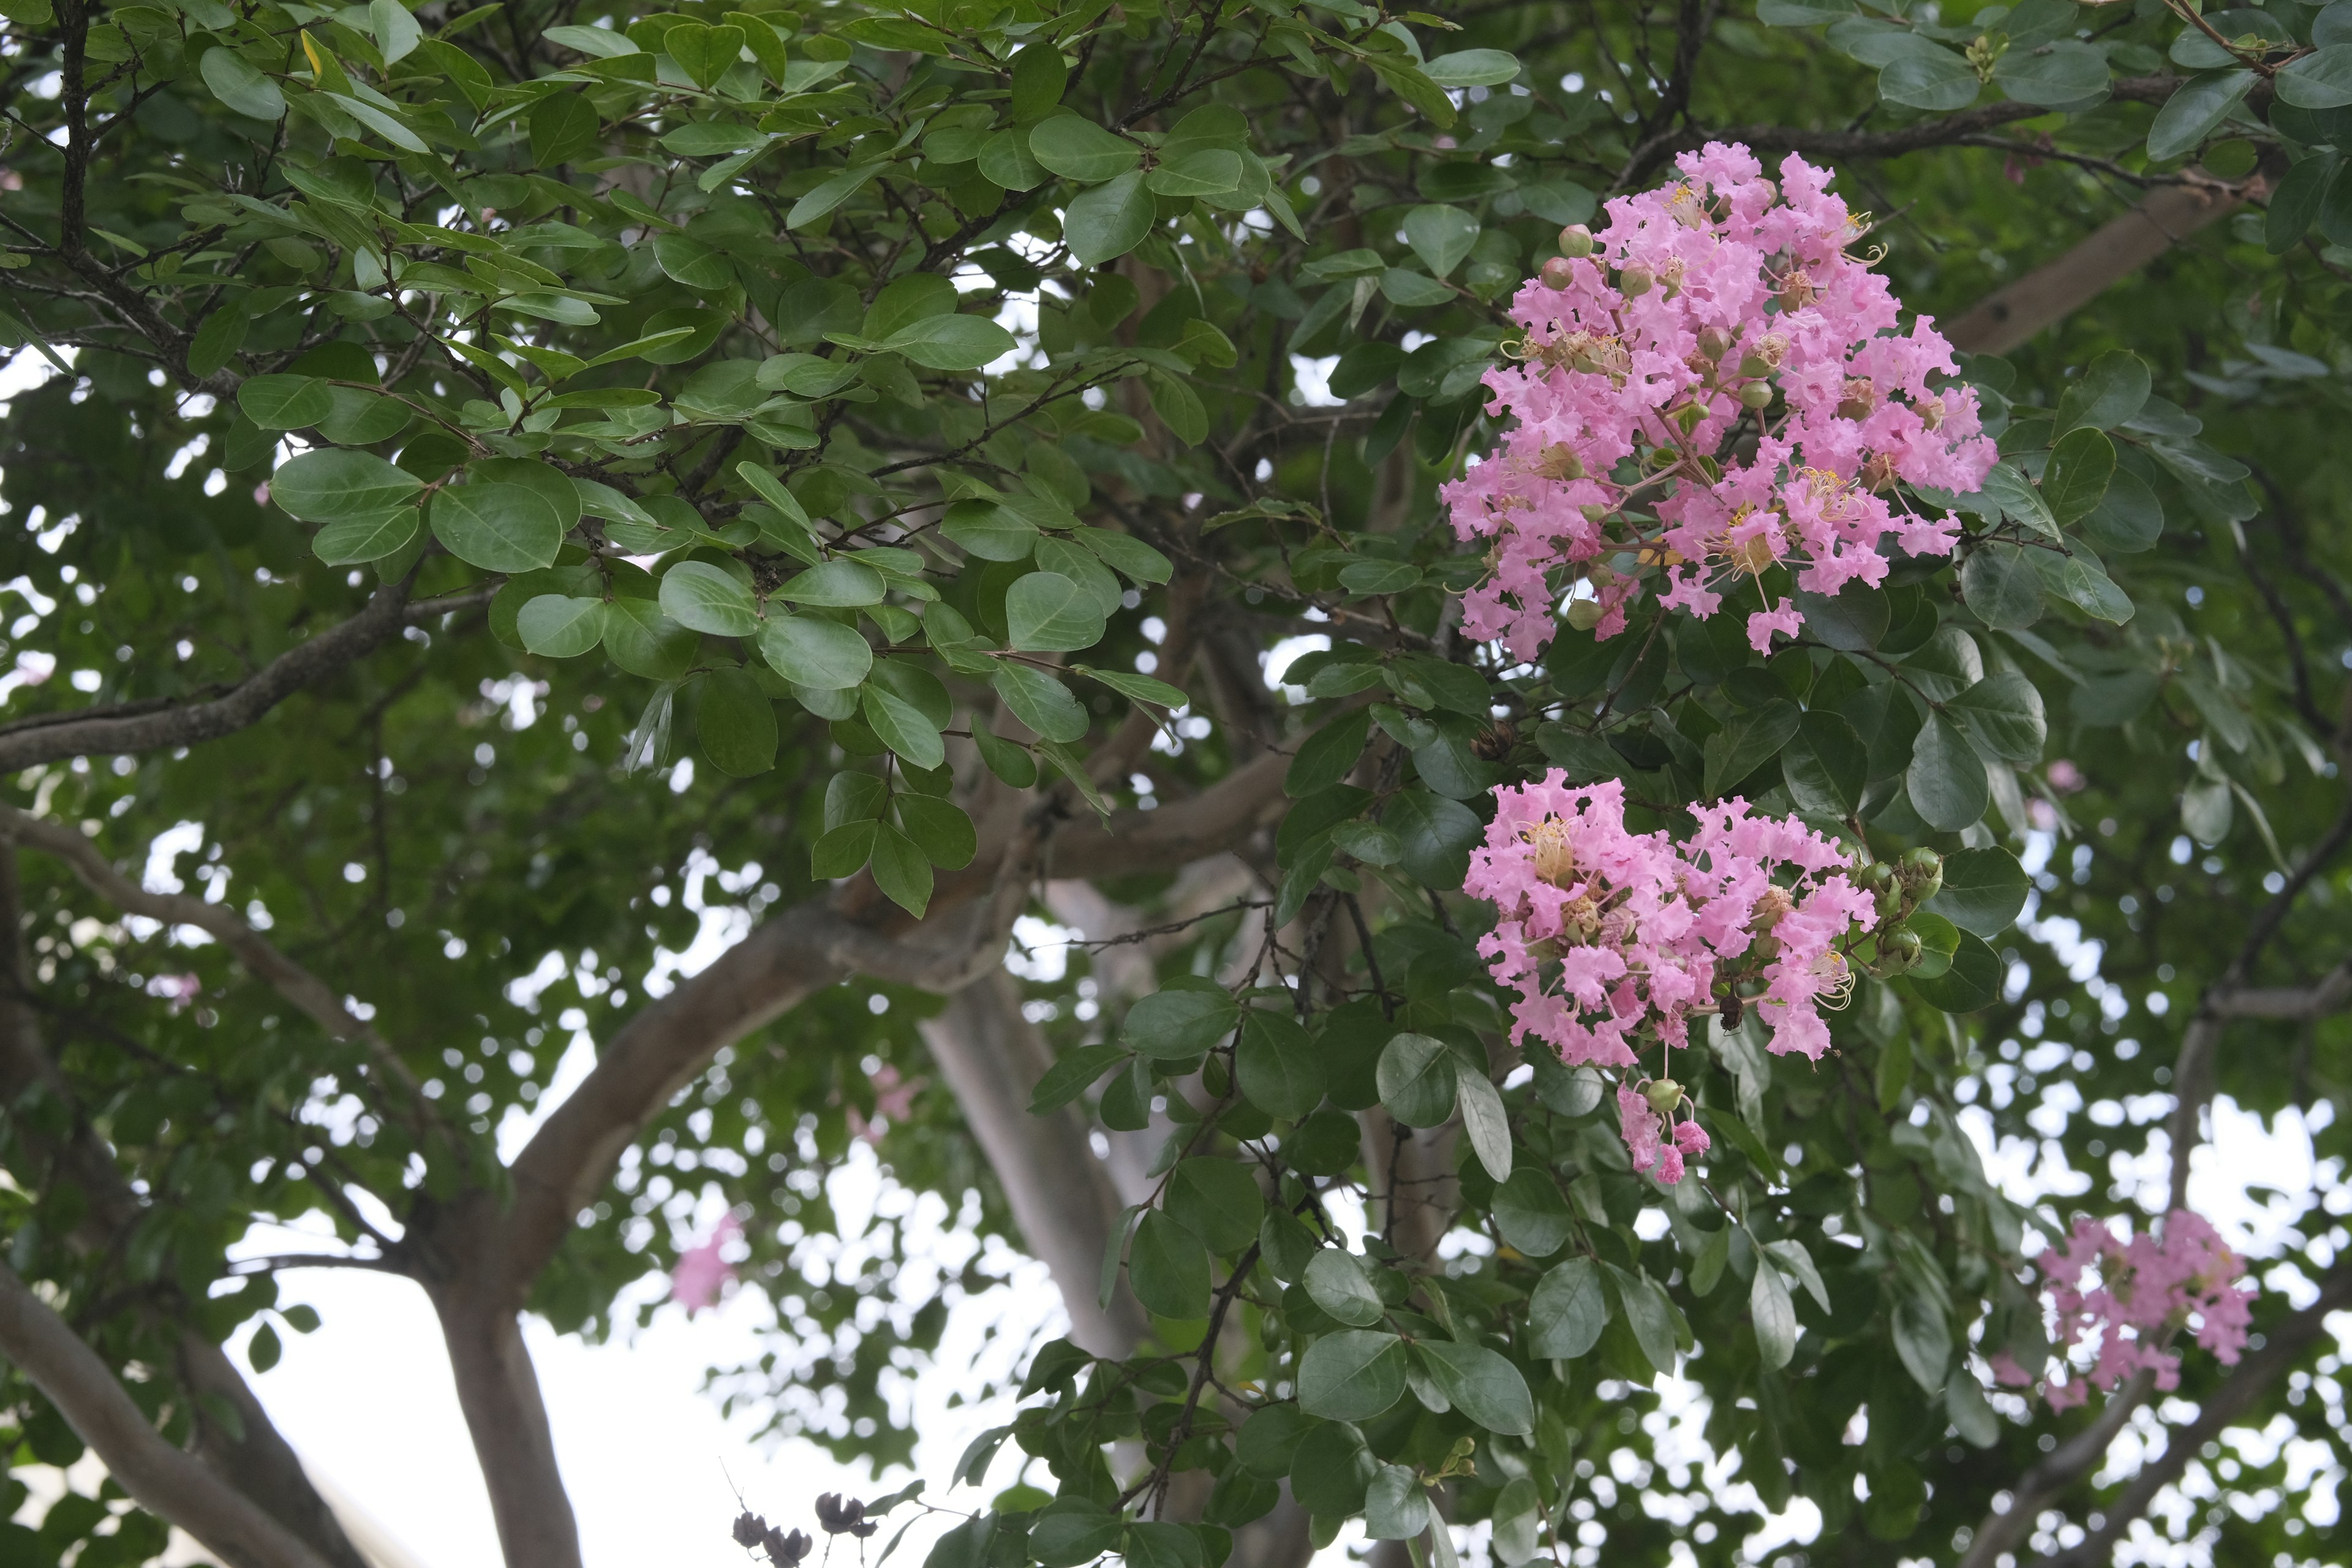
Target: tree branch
(305, 989)
(107, 733)
(166, 1481)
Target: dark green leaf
(2001, 585)
(1072, 1076)
(902, 871)
(1109, 220)
(1417, 1080)
(1482, 1385)
(1175, 1024)
(1217, 1200)
(1341, 1284)
(1168, 1268)
(1774, 1317)
(1972, 981)
(1984, 890)
(1567, 1312)
(1325, 757)
(1825, 765)
(1048, 613)
(2003, 715)
(1752, 738)
(497, 527)
(1353, 1376)
(2080, 467)
(1946, 782)
(1278, 1067)
(1040, 700)
(704, 598)
(736, 724)
(1530, 1213)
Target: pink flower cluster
(1606, 932)
(1647, 445)
(695, 1283)
(1654, 1142)
(2148, 1290)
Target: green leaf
(703, 52)
(736, 724)
(822, 655)
(2003, 715)
(2321, 80)
(1922, 1339)
(1008, 762)
(704, 598)
(2064, 72)
(1946, 782)
(1325, 757)
(1072, 1076)
(1791, 1255)
(557, 626)
(1971, 1415)
(2077, 480)
(1473, 68)
(1931, 78)
(904, 728)
(1340, 1283)
(1774, 1317)
(1483, 1122)
(690, 262)
(497, 527)
(1435, 836)
(1077, 148)
(1440, 237)
(1175, 1024)
(217, 341)
(1129, 554)
(844, 851)
(1205, 172)
(1939, 937)
(1482, 1385)
(1825, 765)
(1109, 220)
(1972, 981)
(2112, 390)
(1352, 1375)
(853, 797)
(902, 871)
(1168, 1268)
(263, 1348)
(2295, 204)
(1179, 408)
(1041, 701)
(2127, 519)
(285, 402)
(1140, 689)
(1074, 1530)
(940, 829)
(2195, 108)
(2001, 586)
(951, 342)
(1530, 1213)
(1005, 159)
(1395, 1506)
(1331, 1470)
(240, 84)
(643, 641)
(1040, 77)
(564, 125)
(2081, 580)
(1651, 1316)
(1983, 891)
(1417, 1080)
(1567, 1312)
(830, 195)
(1048, 613)
(839, 584)
(988, 530)
(356, 540)
(1518, 1519)
(1276, 1066)
(1752, 738)
(1217, 1200)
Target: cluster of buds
(1897, 890)
(781, 1549)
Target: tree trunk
(1061, 1196)
(498, 1389)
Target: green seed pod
(1575, 241)
(1756, 395)
(1663, 1094)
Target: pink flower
(1638, 1125)
(893, 1098)
(1692, 1138)
(2129, 1299)
(1607, 933)
(701, 1271)
(1703, 298)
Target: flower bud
(1557, 273)
(1663, 1094)
(1713, 343)
(1634, 280)
(1921, 872)
(1756, 395)
(1576, 240)
(1584, 614)
(1900, 950)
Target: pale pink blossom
(1695, 293)
(695, 1281)
(2128, 1299)
(1613, 939)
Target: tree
(523, 484)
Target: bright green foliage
(826, 445)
